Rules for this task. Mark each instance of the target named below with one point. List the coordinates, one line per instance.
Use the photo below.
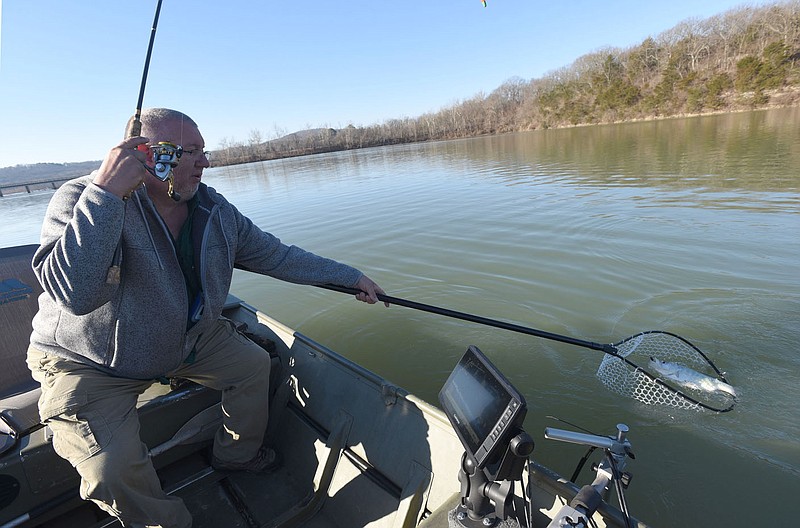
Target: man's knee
(255, 360)
(118, 466)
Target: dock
(16, 188)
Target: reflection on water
(685, 225)
(754, 152)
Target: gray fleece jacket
(134, 323)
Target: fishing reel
(165, 157)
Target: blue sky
(70, 69)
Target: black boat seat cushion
(19, 413)
(19, 293)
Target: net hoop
(620, 372)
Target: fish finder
(486, 412)
(483, 407)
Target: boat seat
(19, 413)
(19, 293)
(19, 393)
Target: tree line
(745, 58)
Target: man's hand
(123, 169)
(369, 291)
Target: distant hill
(303, 142)
(38, 172)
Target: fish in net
(678, 374)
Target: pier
(15, 188)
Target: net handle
(609, 349)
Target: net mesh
(630, 378)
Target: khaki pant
(96, 426)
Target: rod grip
(136, 128)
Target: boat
(357, 450)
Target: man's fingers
(132, 143)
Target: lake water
(687, 225)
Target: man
(135, 274)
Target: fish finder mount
(481, 488)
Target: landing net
(630, 373)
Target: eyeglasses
(192, 152)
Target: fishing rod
(165, 155)
(617, 371)
(136, 128)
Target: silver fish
(689, 378)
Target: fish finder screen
(481, 405)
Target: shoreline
(9, 184)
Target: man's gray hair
(154, 119)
